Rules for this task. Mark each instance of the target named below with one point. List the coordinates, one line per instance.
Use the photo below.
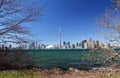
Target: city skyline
(75, 17)
(36, 45)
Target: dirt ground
(75, 73)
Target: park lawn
(19, 74)
(32, 74)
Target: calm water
(82, 59)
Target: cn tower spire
(59, 38)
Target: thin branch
(1, 3)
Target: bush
(103, 57)
(16, 60)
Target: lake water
(76, 58)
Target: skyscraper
(64, 43)
(91, 44)
(97, 44)
(83, 42)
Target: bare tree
(109, 27)
(116, 3)
(13, 15)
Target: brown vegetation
(16, 60)
(75, 73)
(15, 13)
(109, 28)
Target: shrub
(16, 60)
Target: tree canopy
(13, 14)
(109, 28)
(109, 23)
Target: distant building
(3, 47)
(91, 44)
(82, 43)
(69, 46)
(77, 44)
(97, 44)
(106, 45)
(64, 43)
(73, 46)
(43, 46)
(85, 45)
(10, 46)
(101, 45)
(49, 47)
(32, 45)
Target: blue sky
(75, 17)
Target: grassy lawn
(19, 74)
(31, 74)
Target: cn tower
(59, 38)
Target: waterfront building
(91, 44)
(64, 47)
(73, 46)
(3, 47)
(97, 44)
(36, 45)
(0, 47)
(10, 46)
(69, 46)
(32, 45)
(83, 42)
(109, 45)
(101, 45)
(80, 45)
(64, 43)
(106, 45)
(50, 47)
(77, 44)
(39, 46)
(85, 45)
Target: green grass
(30, 74)
(19, 74)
